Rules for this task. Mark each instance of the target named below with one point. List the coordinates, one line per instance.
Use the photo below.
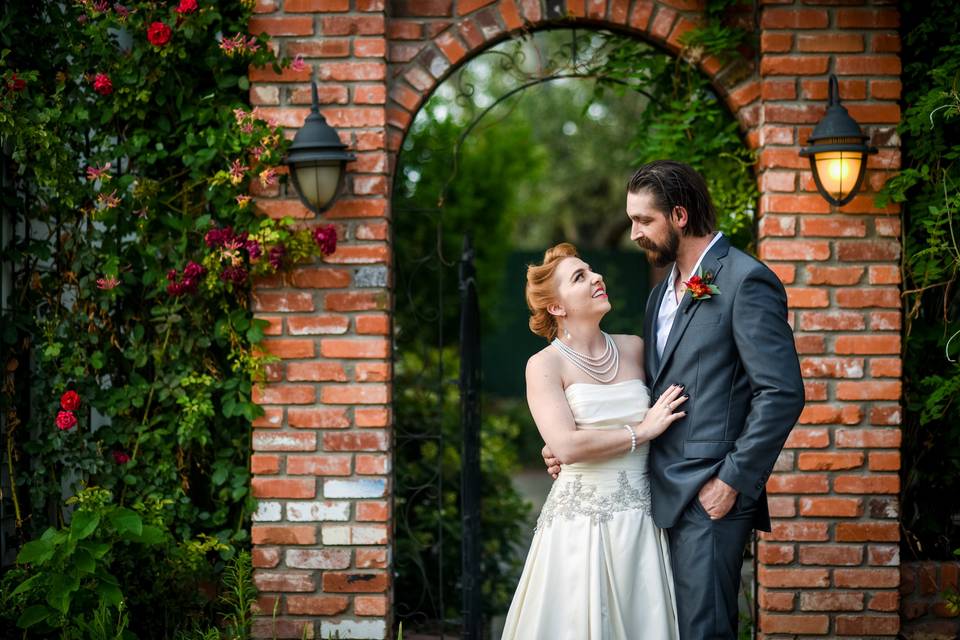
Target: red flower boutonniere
(701, 286)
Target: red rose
(158, 34)
(66, 420)
(187, 6)
(120, 457)
(16, 84)
(70, 401)
(102, 84)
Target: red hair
(541, 291)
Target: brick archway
(321, 459)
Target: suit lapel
(651, 361)
(688, 306)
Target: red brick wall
(323, 533)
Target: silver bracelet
(633, 437)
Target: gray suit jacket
(734, 354)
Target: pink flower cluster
(226, 238)
(230, 244)
(99, 173)
(69, 402)
(244, 120)
(239, 45)
(179, 284)
(107, 283)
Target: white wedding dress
(598, 566)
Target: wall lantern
(837, 152)
(317, 160)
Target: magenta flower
(243, 201)
(253, 249)
(326, 238)
(276, 255)
(188, 282)
(121, 457)
(234, 273)
(298, 64)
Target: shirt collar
(674, 271)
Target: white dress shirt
(669, 304)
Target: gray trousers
(707, 557)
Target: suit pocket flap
(706, 319)
(707, 448)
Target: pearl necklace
(603, 368)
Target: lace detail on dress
(576, 499)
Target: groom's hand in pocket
(552, 462)
(717, 498)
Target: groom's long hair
(676, 184)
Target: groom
(725, 338)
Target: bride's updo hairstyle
(541, 291)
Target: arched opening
(528, 144)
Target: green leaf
(126, 522)
(61, 591)
(150, 535)
(27, 584)
(36, 552)
(219, 476)
(83, 524)
(84, 561)
(110, 592)
(34, 614)
(96, 549)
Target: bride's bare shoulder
(628, 343)
(543, 361)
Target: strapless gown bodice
(598, 566)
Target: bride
(598, 566)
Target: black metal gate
(437, 414)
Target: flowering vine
(139, 158)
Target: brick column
(321, 463)
(830, 566)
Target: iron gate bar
(470, 386)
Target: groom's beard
(661, 255)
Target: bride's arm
(550, 411)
